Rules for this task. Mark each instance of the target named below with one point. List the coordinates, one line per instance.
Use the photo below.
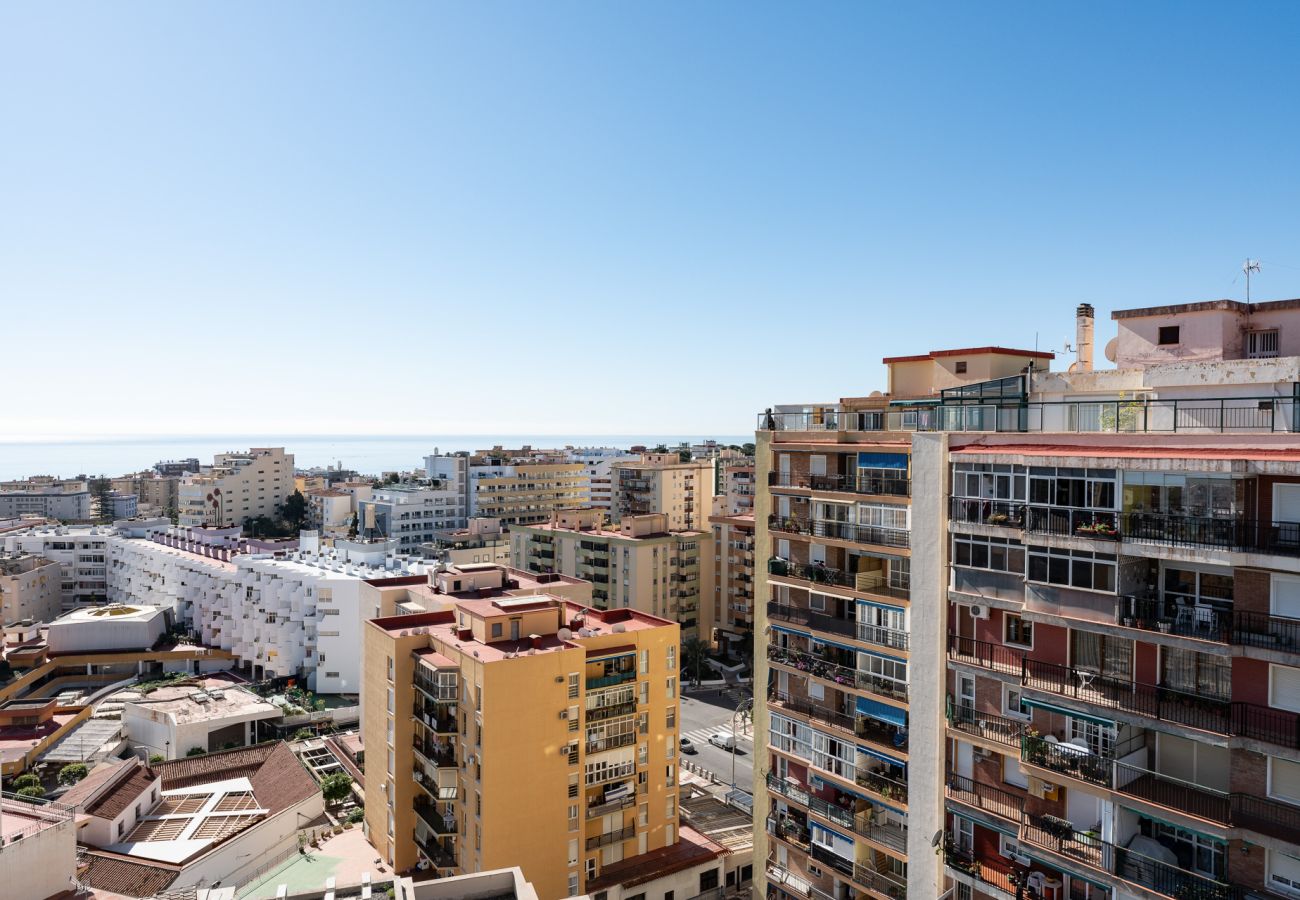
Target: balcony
(900, 486)
(612, 837)
(437, 822)
(441, 856)
(841, 531)
(990, 727)
(862, 582)
(862, 631)
(985, 797)
(438, 718)
(596, 810)
(604, 681)
(856, 725)
(437, 754)
(1217, 715)
(818, 667)
(600, 745)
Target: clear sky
(605, 217)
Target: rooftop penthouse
(1202, 368)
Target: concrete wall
(42, 864)
(235, 860)
(928, 663)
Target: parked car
(687, 746)
(723, 740)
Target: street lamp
(746, 704)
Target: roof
(692, 849)
(279, 779)
(84, 790)
(970, 351)
(123, 794)
(1205, 306)
(110, 872)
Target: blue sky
(605, 217)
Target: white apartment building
(411, 514)
(598, 463)
(80, 551)
(283, 615)
(236, 487)
(66, 502)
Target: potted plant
(997, 519)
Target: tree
(156, 758)
(356, 815)
(100, 488)
(352, 526)
(336, 788)
(73, 772)
(196, 751)
(393, 478)
(684, 455)
(695, 654)
(303, 734)
(27, 779)
(295, 511)
(32, 791)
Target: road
(706, 712)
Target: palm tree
(695, 654)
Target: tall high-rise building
(530, 731)
(1094, 691)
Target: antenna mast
(1250, 265)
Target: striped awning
(1073, 714)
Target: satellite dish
(1111, 345)
(564, 634)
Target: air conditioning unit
(979, 611)
(1022, 859)
(564, 714)
(419, 778)
(559, 679)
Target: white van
(723, 740)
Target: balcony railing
(612, 837)
(604, 681)
(841, 531)
(440, 856)
(900, 486)
(1130, 416)
(822, 622)
(985, 796)
(998, 729)
(842, 675)
(1221, 716)
(600, 809)
(862, 582)
(1256, 629)
(436, 821)
(430, 718)
(611, 743)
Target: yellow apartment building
(662, 483)
(640, 563)
(728, 614)
(524, 731)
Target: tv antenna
(1250, 265)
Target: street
(709, 711)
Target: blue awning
(844, 647)
(883, 757)
(882, 711)
(831, 831)
(1061, 710)
(882, 461)
(794, 631)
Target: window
(1196, 673)
(1013, 703)
(1072, 568)
(1007, 846)
(961, 367)
(497, 629)
(1018, 631)
(708, 880)
(671, 717)
(1168, 334)
(992, 553)
(573, 685)
(672, 657)
(1284, 873)
(1261, 344)
(1102, 654)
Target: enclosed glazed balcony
(840, 531)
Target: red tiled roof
(84, 791)
(279, 780)
(123, 795)
(121, 875)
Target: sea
(368, 454)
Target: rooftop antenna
(1250, 265)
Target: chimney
(1083, 318)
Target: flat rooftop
(222, 699)
(608, 533)
(17, 740)
(692, 849)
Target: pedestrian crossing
(700, 736)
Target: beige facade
(927, 374)
(662, 483)
(728, 616)
(236, 487)
(157, 494)
(30, 588)
(329, 511)
(639, 564)
(527, 731)
(528, 492)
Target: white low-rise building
(411, 514)
(208, 715)
(82, 555)
(116, 626)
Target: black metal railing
(884, 485)
(1207, 713)
(822, 622)
(841, 531)
(1067, 759)
(978, 511)
(436, 821)
(985, 796)
(821, 574)
(989, 726)
(612, 837)
(1257, 629)
(1070, 521)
